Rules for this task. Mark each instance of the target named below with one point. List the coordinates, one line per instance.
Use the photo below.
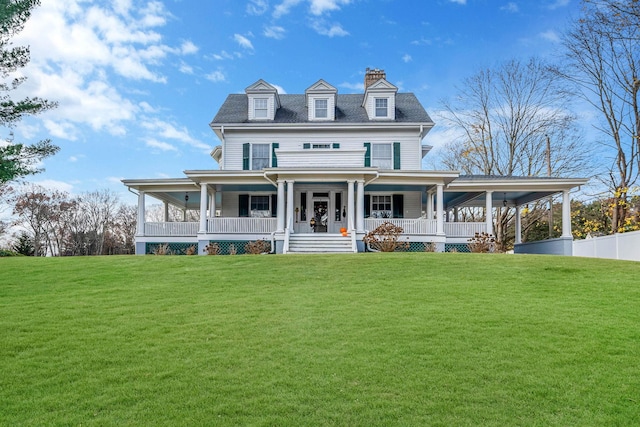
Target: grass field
(357, 340)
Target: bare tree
(602, 61)
(506, 115)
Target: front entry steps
(319, 243)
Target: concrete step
(319, 243)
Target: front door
(320, 216)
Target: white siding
(410, 158)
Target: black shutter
(303, 206)
(396, 155)
(243, 205)
(274, 158)
(367, 155)
(367, 206)
(245, 156)
(398, 205)
(274, 205)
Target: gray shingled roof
(349, 109)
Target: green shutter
(306, 146)
(274, 205)
(274, 158)
(396, 155)
(398, 205)
(336, 145)
(367, 155)
(243, 205)
(367, 205)
(246, 148)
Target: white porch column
(440, 210)
(141, 214)
(166, 211)
(518, 236)
(280, 208)
(360, 207)
(429, 204)
(350, 204)
(566, 214)
(212, 202)
(489, 209)
(289, 203)
(203, 208)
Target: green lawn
(408, 339)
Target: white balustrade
(409, 226)
(170, 228)
(241, 225)
(464, 229)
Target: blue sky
(139, 81)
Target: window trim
(264, 111)
(317, 109)
(380, 109)
(266, 159)
(375, 158)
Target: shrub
(385, 238)
(191, 250)
(7, 252)
(212, 249)
(232, 249)
(257, 247)
(429, 247)
(162, 249)
(482, 243)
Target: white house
(296, 169)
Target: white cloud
(285, 7)
(243, 41)
(274, 32)
(280, 89)
(358, 87)
(61, 129)
(257, 7)
(551, 36)
(422, 42)
(188, 48)
(459, 1)
(185, 68)
(510, 7)
(318, 7)
(51, 184)
(406, 58)
(168, 130)
(216, 76)
(163, 146)
(329, 30)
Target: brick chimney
(372, 76)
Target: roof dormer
(321, 101)
(263, 101)
(379, 96)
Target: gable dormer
(379, 96)
(263, 101)
(321, 101)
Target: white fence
(464, 229)
(410, 226)
(170, 228)
(241, 225)
(624, 246)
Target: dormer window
(381, 107)
(321, 106)
(260, 108)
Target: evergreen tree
(18, 160)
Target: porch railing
(464, 229)
(241, 225)
(170, 228)
(410, 226)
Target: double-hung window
(382, 156)
(381, 107)
(260, 108)
(380, 206)
(259, 156)
(321, 108)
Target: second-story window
(321, 108)
(381, 156)
(260, 108)
(381, 107)
(259, 156)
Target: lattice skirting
(456, 247)
(174, 248)
(426, 247)
(233, 247)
